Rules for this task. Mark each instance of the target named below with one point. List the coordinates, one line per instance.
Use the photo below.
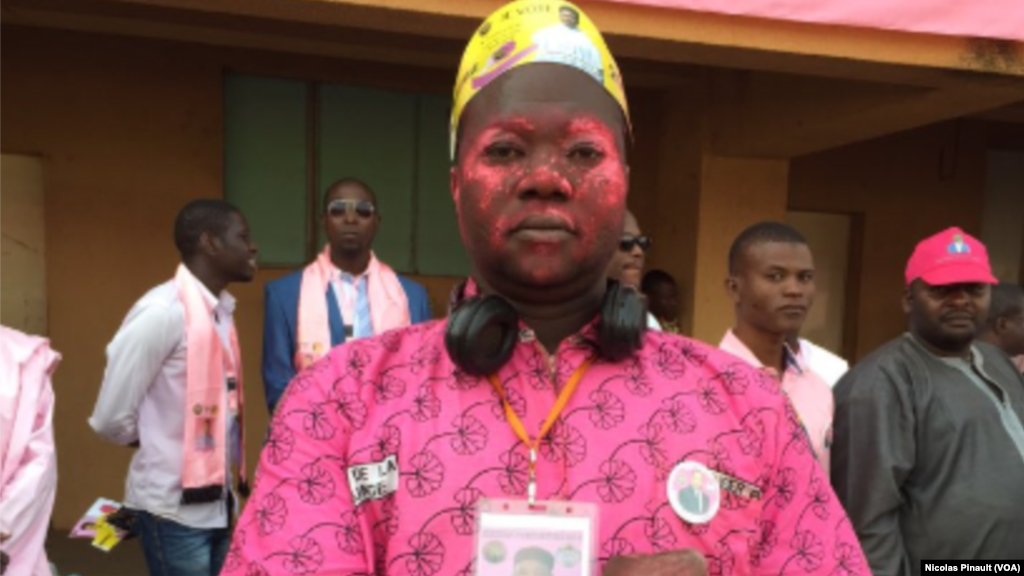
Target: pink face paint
(488, 178)
(542, 193)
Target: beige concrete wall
(904, 187)
(666, 191)
(828, 235)
(127, 134)
(1002, 227)
(22, 245)
(735, 193)
(128, 131)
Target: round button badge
(694, 492)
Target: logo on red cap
(958, 246)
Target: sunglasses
(627, 243)
(363, 208)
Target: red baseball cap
(950, 257)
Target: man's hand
(679, 563)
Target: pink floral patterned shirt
(399, 398)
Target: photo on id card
(547, 539)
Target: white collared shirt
(652, 323)
(143, 399)
(824, 363)
(346, 293)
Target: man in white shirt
(821, 361)
(142, 402)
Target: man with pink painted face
(543, 385)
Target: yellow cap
(533, 32)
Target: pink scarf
(389, 306)
(207, 370)
(28, 467)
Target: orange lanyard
(517, 425)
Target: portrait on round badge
(694, 492)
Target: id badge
(555, 538)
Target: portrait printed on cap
(958, 246)
(694, 492)
(531, 32)
(565, 43)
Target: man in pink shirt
(771, 283)
(380, 454)
(28, 462)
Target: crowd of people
(557, 397)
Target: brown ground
(77, 556)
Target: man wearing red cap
(928, 453)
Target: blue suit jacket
(281, 310)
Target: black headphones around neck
(482, 331)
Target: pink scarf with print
(389, 306)
(208, 370)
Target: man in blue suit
(345, 293)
